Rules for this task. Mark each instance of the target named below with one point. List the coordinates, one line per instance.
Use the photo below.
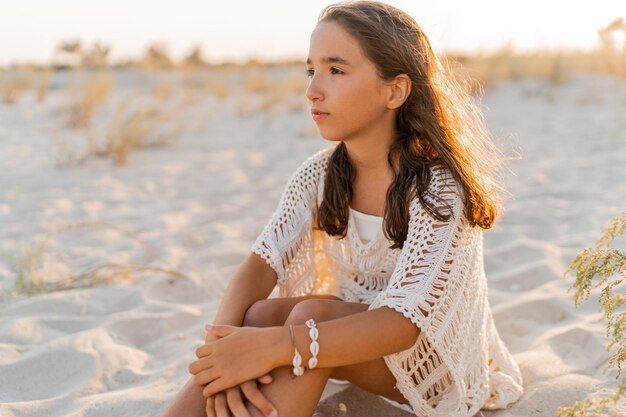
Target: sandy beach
(174, 222)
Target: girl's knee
(307, 309)
(263, 313)
(276, 311)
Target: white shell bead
(312, 363)
(315, 348)
(314, 333)
(297, 361)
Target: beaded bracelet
(297, 359)
(315, 347)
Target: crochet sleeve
(422, 271)
(289, 229)
(427, 286)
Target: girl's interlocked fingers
(231, 399)
(219, 403)
(235, 402)
(216, 406)
(256, 397)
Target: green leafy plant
(607, 266)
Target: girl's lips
(318, 117)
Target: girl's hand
(239, 355)
(219, 404)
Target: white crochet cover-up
(458, 363)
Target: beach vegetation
(40, 267)
(138, 127)
(603, 266)
(86, 100)
(12, 85)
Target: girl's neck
(369, 157)
(374, 176)
(368, 149)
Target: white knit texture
(458, 363)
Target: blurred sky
(236, 30)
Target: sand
(122, 349)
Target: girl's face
(343, 85)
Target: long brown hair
(437, 124)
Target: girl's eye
(310, 72)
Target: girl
(376, 245)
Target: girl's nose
(314, 92)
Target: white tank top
(367, 225)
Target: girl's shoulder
(315, 165)
(320, 157)
(310, 173)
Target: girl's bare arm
(254, 280)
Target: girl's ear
(399, 90)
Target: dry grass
(262, 93)
(250, 104)
(556, 66)
(132, 125)
(39, 267)
(483, 72)
(218, 87)
(42, 86)
(261, 90)
(164, 90)
(105, 273)
(199, 81)
(12, 85)
(157, 56)
(294, 83)
(85, 103)
(258, 82)
(195, 59)
(614, 54)
(136, 128)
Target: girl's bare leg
(189, 402)
(294, 397)
(298, 397)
